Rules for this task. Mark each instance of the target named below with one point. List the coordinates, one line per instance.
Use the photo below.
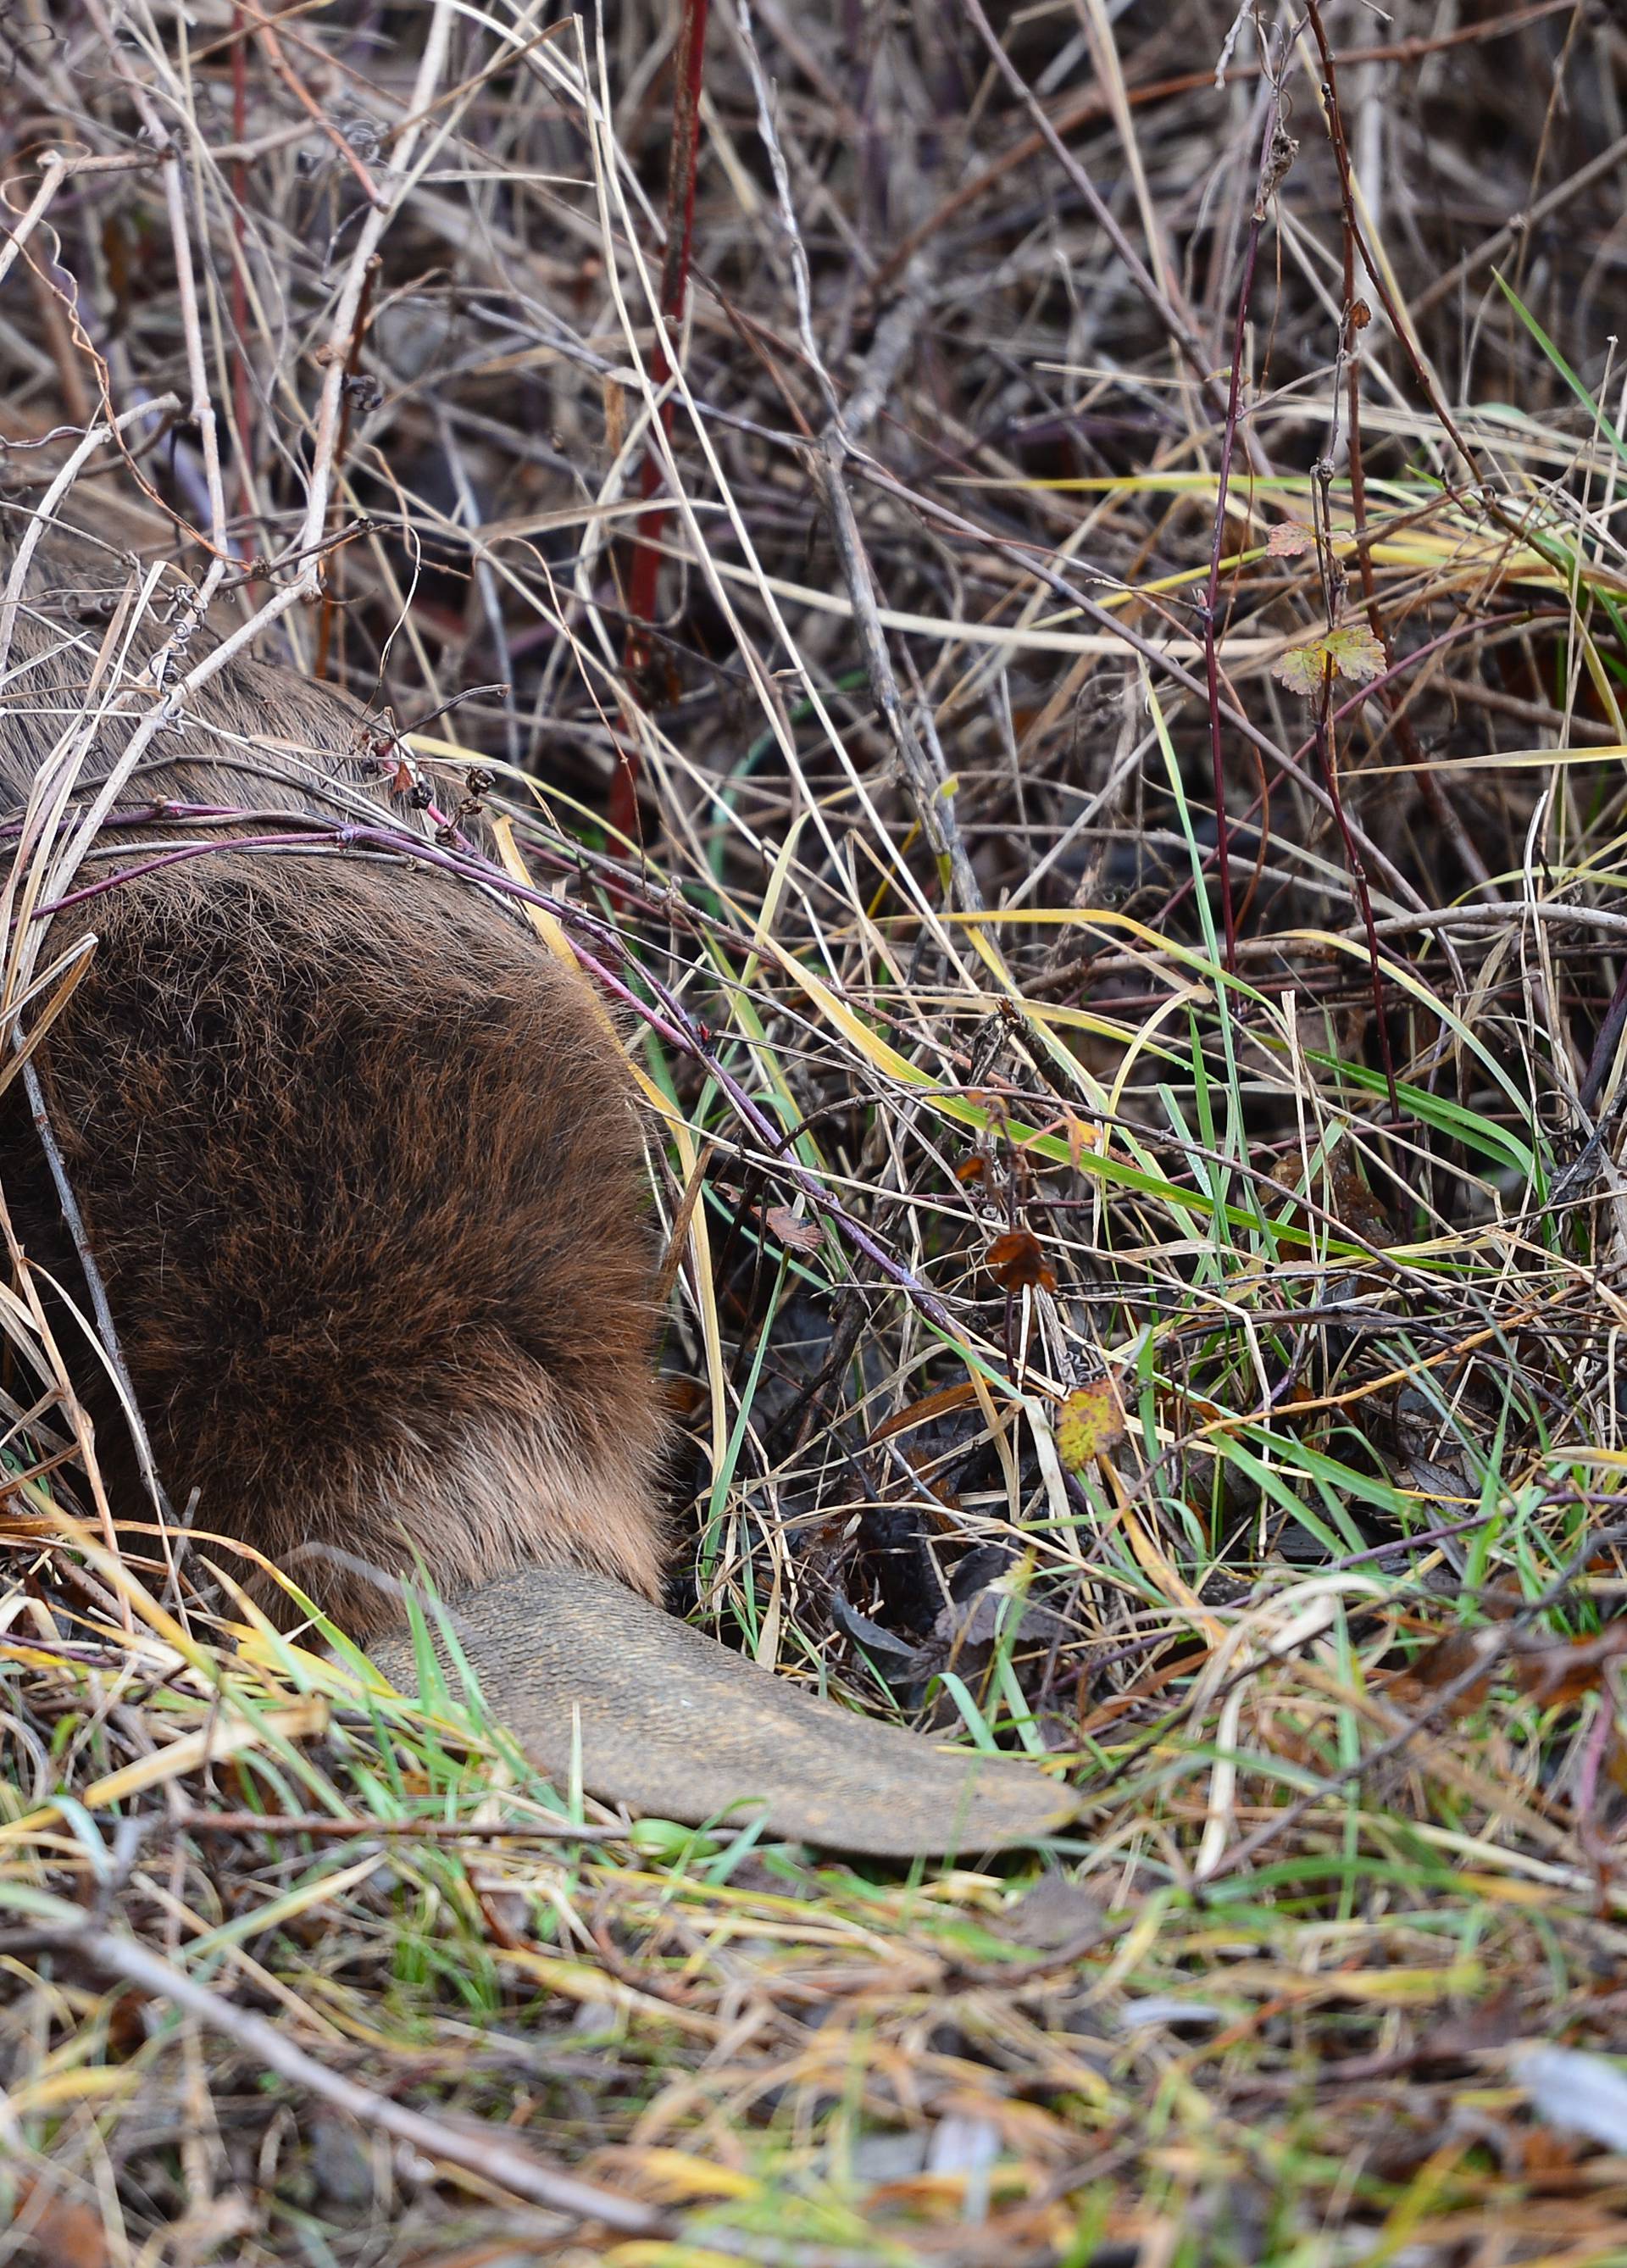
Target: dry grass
(1149, 1289)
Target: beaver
(361, 1169)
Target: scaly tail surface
(675, 1726)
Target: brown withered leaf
(1355, 1205)
(1289, 538)
(795, 1233)
(1018, 1264)
(1464, 2033)
(1554, 1672)
(1547, 2160)
(64, 2232)
(616, 416)
(923, 1409)
(683, 1398)
(1442, 1664)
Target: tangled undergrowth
(1041, 594)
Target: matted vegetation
(1146, 1287)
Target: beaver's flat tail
(676, 1726)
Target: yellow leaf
(681, 2176)
(1090, 1422)
(94, 2083)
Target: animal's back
(358, 1161)
(359, 1165)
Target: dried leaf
(793, 1231)
(1548, 2158)
(972, 1623)
(1090, 1422)
(1018, 1264)
(616, 416)
(1476, 2030)
(683, 1398)
(1081, 1138)
(1356, 1206)
(923, 1409)
(1554, 1672)
(1289, 538)
(1557, 1672)
(65, 2232)
(892, 1655)
(1449, 1659)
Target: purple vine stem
(670, 1021)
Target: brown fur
(359, 1163)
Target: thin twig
(482, 2153)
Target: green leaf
(1564, 368)
(1351, 651)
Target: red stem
(647, 560)
(1348, 340)
(1211, 598)
(242, 398)
(1378, 689)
